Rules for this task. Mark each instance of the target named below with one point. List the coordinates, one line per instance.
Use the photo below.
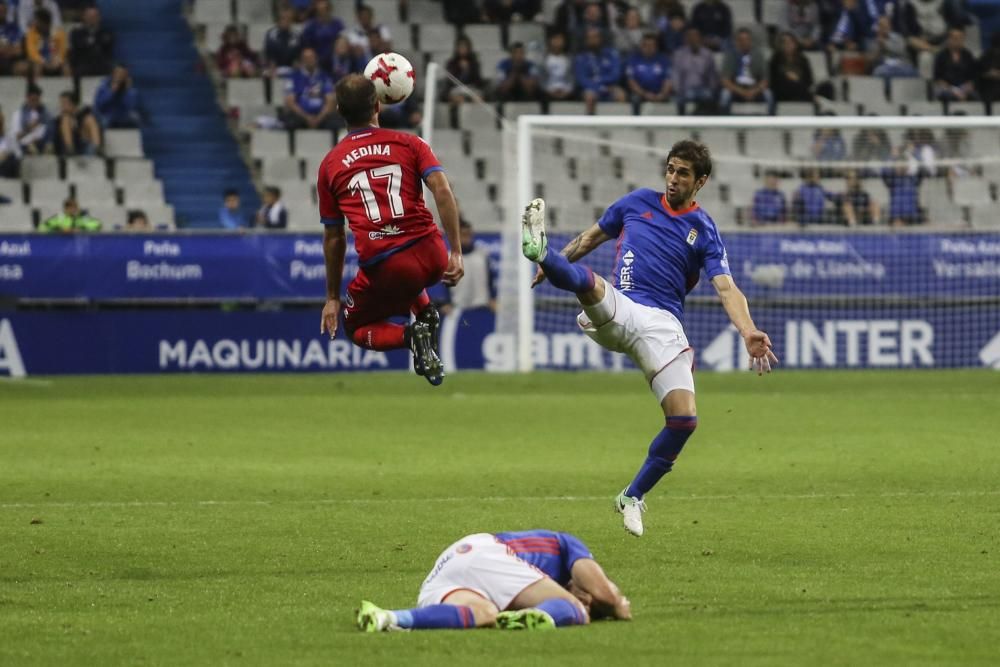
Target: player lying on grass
(664, 241)
(373, 180)
(527, 580)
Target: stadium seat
(86, 169)
(269, 143)
(925, 65)
(213, 35)
(439, 37)
(160, 216)
(12, 92)
(123, 143)
(744, 14)
(984, 217)
(386, 11)
(864, 89)
(796, 109)
(477, 117)
(936, 203)
(88, 89)
(278, 169)
(49, 192)
(302, 216)
(484, 37)
(39, 167)
(741, 190)
(256, 32)
(16, 218)
(924, 109)
(424, 11)
(774, 13)
(245, 92)
(52, 87)
(138, 195)
(749, 109)
(908, 89)
(720, 141)
(133, 170)
(254, 11)
(403, 42)
(526, 33)
(513, 110)
(658, 109)
(111, 216)
(568, 108)
(837, 108)
(298, 191)
(212, 12)
(800, 143)
(614, 109)
(765, 144)
(984, 142)
(965, 109)
(969, 191)
(489, 59)
(95, 192)
(13, 190)
(313, 142)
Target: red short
(391, 286)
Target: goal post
(581, 164)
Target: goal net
(866, 242)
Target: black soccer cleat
(432, 319)
(425, 360)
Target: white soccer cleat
(631, 510)
(533, 241)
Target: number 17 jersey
(373, 180)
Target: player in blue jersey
(664, 240)
(527, 580)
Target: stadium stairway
(194, 153)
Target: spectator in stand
(989, 69)
(828, 145)
(461, 12)
(594, 18)
(744, 75)
(809, 201)
(988, 14)
(648, 73)
(570, 18)
(871, 145)
(557, 70)
(476, 289)
(76, 129)
(117, 101)
(598, 70)
(46, 47)
(301, 9)
(921, 23)
(517, 77)
(628, 38)
(791, 74)
(506, 11)
(406, 114)
(955, 70)
(272, 214)
(358, 35)
(769, 205)
(856, 206)
(851, 29)
(343, 60)
(91, 46)
(321, 31)
(27, 9)
(904, 194)
(660, 11)
(464, 66)
(138, 222)
(282, 45)
(694, 76)
(672, 31)
(229, 215)
(888, 56)
(802, 22)
(920, 150)
(714, 20)
(70, 220)
(30, 124)
(235, 59)
(377, 44)
(12, 61)
(309, 101)
(10, 152)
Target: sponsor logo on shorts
(463, 548)
(692, 236)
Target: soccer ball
(392, 75)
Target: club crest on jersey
(692, 236)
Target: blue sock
(436, 616)
(563, 612)
(565, 275)
(663, 451)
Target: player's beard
(680, 197)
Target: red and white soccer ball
(393, 77)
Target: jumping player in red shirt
(372, 180)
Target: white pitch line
(492, 499)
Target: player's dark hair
(274, 191)
(356, 99)
(71, 96)
(694, 152)
(231, 192)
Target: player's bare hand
(623, 609)
(455, 270)
(328, 323)
(759, 348)
(539, 278)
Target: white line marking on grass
(494, 499)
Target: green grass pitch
(815, 518)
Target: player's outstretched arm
(585, 243)
(757, 342)
(605, 598)
(334, 248)
(448, 210)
